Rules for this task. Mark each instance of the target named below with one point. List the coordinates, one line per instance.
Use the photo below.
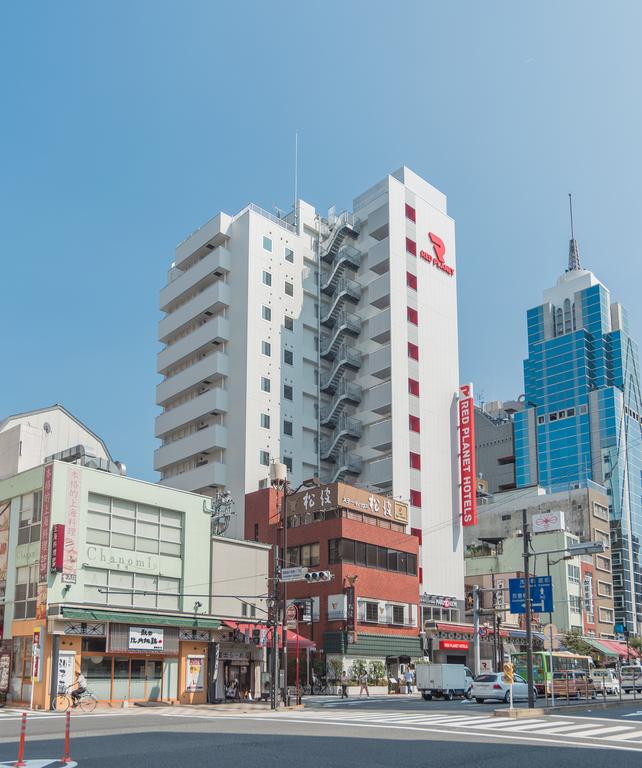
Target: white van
(605, 681)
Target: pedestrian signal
(508, 673)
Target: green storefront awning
(373, 645)
(147, 619)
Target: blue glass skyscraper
(583, 416)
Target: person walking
(363, 682)
(409, 678)
(343, 680)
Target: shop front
(158, 658)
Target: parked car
(494, 686)
(631, 678)
(605, 681)
(573, 684)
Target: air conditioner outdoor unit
(201, 425)
(200, 461)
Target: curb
(588, 707)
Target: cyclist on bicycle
(81, 684)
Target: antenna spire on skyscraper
(573, 250)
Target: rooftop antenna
(573, 250)
(296, 177)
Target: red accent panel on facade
(413, 316)
(413, 387)
(411, 281)
(411, 246)
(413, 351)
(415, 460)
(421, 575)
(410, 213)
(414, 423)
(415, 498)
(417, 533)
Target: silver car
(493, 686)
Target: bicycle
(85, 701)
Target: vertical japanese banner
(351, 619)
(45, 525)
(72, 518)
(466, 407)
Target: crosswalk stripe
(599, 732)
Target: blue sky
(126, 125)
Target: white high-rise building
(329, 342)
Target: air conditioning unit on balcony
(201, 460)
(202, 389)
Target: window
(602, 536)
(306, 555)
(267, 244)
(265, 384)
(413, 316)
(30, 513)
(264, 458)
(604, 589)
(575, 603)
(410, 213)
(414, 424)
(397, 614)
(266, 278)
(603, 563)
(288, 357)
(289, 255)
(287, 392)
(415, 498)
(413, 351)
(371, 556)
(288, 323)
(118, 588)
(413, 387)
(287, 428)
(583, 409)
(265, 420)
(411, 246)
(139, 527)
(605, 615)
(573, 573)
(26, 591)
(411, 281)
(541, 419)
(287, 460)
(372, 612)
(256, 531)
(266, 313)
(289, 288)
(415, 460)
(266, 348)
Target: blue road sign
(541, 594)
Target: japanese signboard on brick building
(342, 496)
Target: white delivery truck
(443, 680)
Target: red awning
(618, 648)
(303, 642)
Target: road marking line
(637, 734)
(597, 732)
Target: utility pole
(476, 600)
(495, 630)
(527, 605)
(274, 689)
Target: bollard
(66, 758)
(21, 748)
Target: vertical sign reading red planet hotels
(70, 560)
(467, 455)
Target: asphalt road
(359, 734)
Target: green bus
(542, 673)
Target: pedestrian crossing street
(550, 728)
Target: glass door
(154, 679)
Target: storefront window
(97, 670)
(124, 588)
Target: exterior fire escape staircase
(347, 429)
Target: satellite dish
(551, 630)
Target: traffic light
(508, 673)
(256, 636)
(314, 576)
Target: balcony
(378, 328)
(215, 331)
(379, 436)
(379, 399)
(213, 401)
(216, 297)
(378, 473)
(379, 257)
(207, 370)
(378, 364)
(204, 440)
(379, 292)
(217, 261)
(200, 478)
(210, 235)
(347, 463)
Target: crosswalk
(580, 731)
(36, 714)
